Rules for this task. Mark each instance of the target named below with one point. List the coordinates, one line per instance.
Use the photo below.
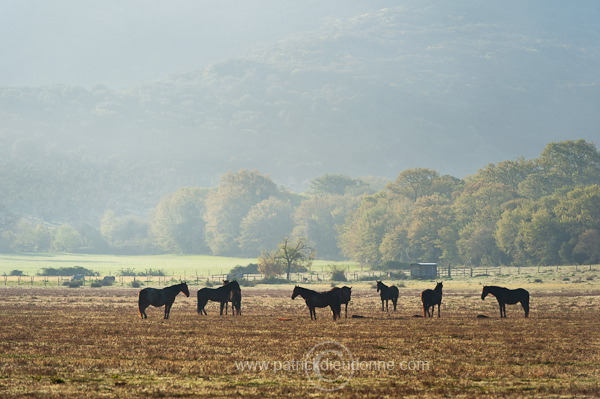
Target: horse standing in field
(430, 298)
(159, 297)
(314, 299)
(235, 297)
(387, 293)
(346, 296)
(506, 296)
(221, 295)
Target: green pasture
(188, 265)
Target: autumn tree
(264, 226)
(290, 256)
(228, 205)
(177, 223)
(318, 219)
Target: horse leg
(201, 305)
(525, 305)
(395, 301)
(143, 312)
(439, 309)
(167, 310)
(346, 311)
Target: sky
(118, 43)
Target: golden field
(59, 342)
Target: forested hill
(447, 86)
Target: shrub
(152, 272)
(136, 284)
(66, 271)
(273, 280)
(337, 274)
(251, 268)
(246, 283)
(16, 273)
(73, 283)
(127, 272)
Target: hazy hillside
(445, 86)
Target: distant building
(424, 271)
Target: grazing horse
(314, 299)
(387, 293)
(506, 296)
(221, 295)
(430, 298)
(159, 297)
(346, 295)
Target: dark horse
(159, 297)
(506, 296)
(387, 293)
(221, 295)
(314, 299)
(430, 298)
(235, 297)
(346, 296)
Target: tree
(265, 225)
(126, 234)
(364, 230)
(573, 162)
(270, 264)
(66, 239)
(508, 173)
(427, 219)
(335, 184)
(177, 223)
(229, 204)
(319, 218)
(509, 232)
(295, 255)
(421, 182)
(561, 167)
(587, 248)
(414, 183)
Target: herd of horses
(334, 298)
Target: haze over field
(178, 93)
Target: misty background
(113, 105)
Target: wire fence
(442, 272)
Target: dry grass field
(59, 342)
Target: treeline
(540, 211)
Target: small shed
(424, 270)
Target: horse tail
(142, 302)
(200, 307)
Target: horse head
(484, 292)
(379, 285)
(439, 286)
(185, 289)
(296, 292)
